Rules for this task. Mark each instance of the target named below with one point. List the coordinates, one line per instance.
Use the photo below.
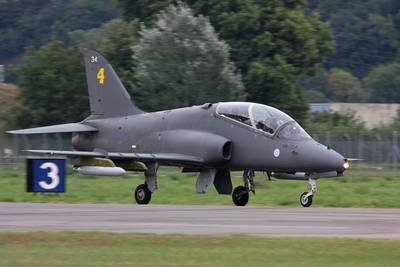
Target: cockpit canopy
(264, 118)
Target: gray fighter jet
(211, 139)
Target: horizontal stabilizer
(60, 128)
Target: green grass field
(361, 187)
(108, 249)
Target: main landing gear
(142, 194)
(143, 191)
(306, 197)
(240, 195)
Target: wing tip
(22, 131)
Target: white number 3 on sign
(53, 175)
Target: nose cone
(335, 161)
(319, 158)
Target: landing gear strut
(143, 191)
(248, 178)
(240, 195)
(306, 197)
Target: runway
(209, 220)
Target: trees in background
(342, 86)
(8, 101)
(345, 125)
(52, 82)
(335, 85)
(178, 62)
(383, 84)
(26, 23)
(143, 10)
(116, 45)
(181, 62)
(367, 32)
(272, 43)
(52, 86)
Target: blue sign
(46, 175)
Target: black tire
(142, 195)
(240, 196)
(305, 201)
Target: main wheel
(240, 196)
(305, 201)
(142, 194)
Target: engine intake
(210, 147)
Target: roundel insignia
(277, 152)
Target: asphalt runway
(210, 220)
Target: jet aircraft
(211, 139)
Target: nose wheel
(305, 200)
(307, 197)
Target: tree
(114, 39)
(313, 86)
(363, 43)
(116, 45)
(33, 22)
(383, 84)
(52, 86)
(313, 96)
(342, 86)
(392, 129)
(336, 124)
(272, 43)
(180, 62)
(8, 102)
(366, 31)
(144, 10)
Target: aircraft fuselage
(200, 131)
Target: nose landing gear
(307, 197)
(240, 195)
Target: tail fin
(108, 96)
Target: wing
(143, 157)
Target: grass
(111, 249)
(363, 186)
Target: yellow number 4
(101, 76)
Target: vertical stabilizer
(108, 96)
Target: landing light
(346, 165)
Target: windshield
(293, 131)
(257, 116)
